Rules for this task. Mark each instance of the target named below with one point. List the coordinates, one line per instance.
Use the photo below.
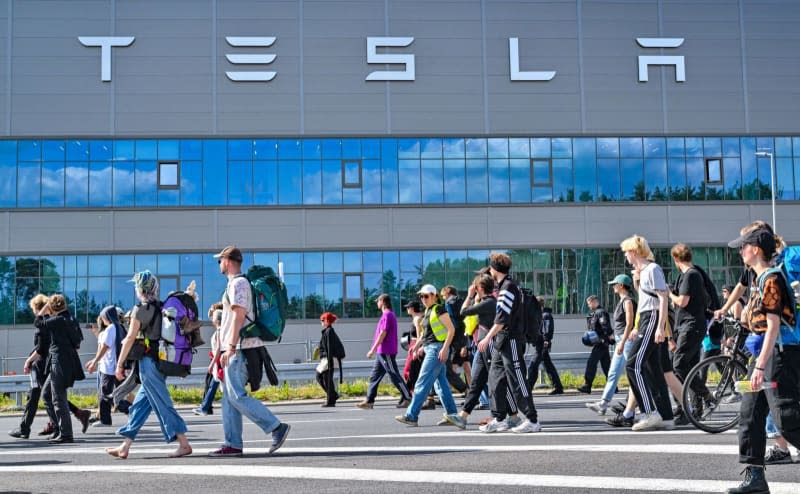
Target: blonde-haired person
(770, 316)
(153, 396)
(212, 379)
(643, 367)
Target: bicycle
(718, 410)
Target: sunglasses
(423, 296)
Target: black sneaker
(681, 418)
(585, 389)
(20, 434)
(777, 456)
(556, 391)
(279, 437)
(619, 420)
(617, 407)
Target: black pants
(386, 364)
(599, 355)
(507, 372)
(783, 402)
(107, 384)
(644, 370)
(455, 380)
(413, 372)
(707, 354)
(479, 378)
(688, 346)
(326, 380)
(542, 356)
(54, 393)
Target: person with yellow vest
(437, 335)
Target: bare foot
(181, 451)
(120, 453)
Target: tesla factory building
(375, 145)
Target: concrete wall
(741, 59)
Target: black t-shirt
(509, 301)
(427, 332)
(693, 316)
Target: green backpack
(270, 303)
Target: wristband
(759, 369)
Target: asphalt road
(347, 450)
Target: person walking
(437, 334)
(105, 362)
(384, 349)
(600, 323)
(770, 314)
(331, 353)
(153, 396)
(643, 366)
(508, 340)
(237, 309)
(623, 319)
(542, 352)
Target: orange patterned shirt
(775, 300)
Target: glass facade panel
(77, 177)
(630, 147)
(29, 182)
(784, 173)
(432, 182)
(563, 188)
(290, 184)
(371, 181)
(499, 181)
(655, 176)
(100, 184)
(520, 179)
(677, 179)
(455, 182)
(477, 182)
(52, 185)
(608, 179)
(312, 181)
(585, 170)
(632, 179)
(409, 180)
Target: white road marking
(193, 425)
(406, 477)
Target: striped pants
(644, 370)
(507, 373)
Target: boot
(754, 482)
(83, 416)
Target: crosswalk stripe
(407, 477)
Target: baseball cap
(429, 289)
(759, 237)
(230, 252)
(414, 304)
(621, 279)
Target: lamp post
(771, 156)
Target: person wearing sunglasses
(437, 336)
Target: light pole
(771, 156)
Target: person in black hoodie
(542, 355)
(331, 353)
(63, 366)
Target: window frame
(352, 185)
(162, 186)
(720, 171)
(534, 182)
(360, 277)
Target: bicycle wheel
(718, 410)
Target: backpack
(454, 311)
(788, 266)
(712, 296)
(531, 316)
(186, 317)
(270, 304)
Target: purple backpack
(180, 333)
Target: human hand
(443, 354)
(370, 354)
(659, 338)
(483, 345)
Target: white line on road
(407, 477)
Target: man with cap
(622, 322)
(237, 310)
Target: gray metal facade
(741, 59)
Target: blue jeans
(616, 370)
(432, 373)
(153, 397)
(208, 398)
(236, 402)
(772, 431)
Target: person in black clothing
(507, 336)
(542, 355)
(600, 322)
(63, 366)
(452, 302)
(331, 353)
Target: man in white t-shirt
(237, 309)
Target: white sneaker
(667, 425)
(527, 427)
(99, 424)
(494, 426)
(599, 406)
(648, 422)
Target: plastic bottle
(744, 386)
(796, 290)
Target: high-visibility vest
(438, 329)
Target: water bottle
(796, 290)
(745, 387)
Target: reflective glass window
(333, 262)
(122, 264)
(654, 147)
(351, 149)
(677, 179)
(608, 187)
(563, 188)
(476, 147)
(696, 187)
(29, 183)
(750, 184)
(265, 149)
(520, 172)
(191, 149)
(796, 177)
(370, 148)
(765, 144)
(191, 190)
(312, 182)
(77, 178)
(498, 148)
(333, 292)
(477, 182)
(585, 169)
(240, 183)
(694, 147)
(124, 190)
(408, 149)
(145, 150)
(100, 184)
(391, 262)
(266, 259)
(351, 173)
(240, 149)
(99, 265)
(784, 179)
(53, 184)
(390, 173)
(607, 147)
(454, 148)
(432, 182)
(632, 179)
(499, 180)
(290, 182)
(732, 177)
(655, 176)
(289, 149)
(312, 262)
(30, 151)
(409, 179)
(540, 147)
(371, 181)
(561, 148)
(630, 147)
(372, 261)
(78, 150)
(215, 172)
(53, 266)
(712, 146)
(519, 147)
(292, 262)
(455, 182)
(352, 285)
(124, 151)
(332, 180)
(676, 147)
(191, 263)
(332, 148)
(431, 148)
(145, 261)
(312, 149)
(265, 182)
(730, 146)
(8, 170)
(146, 183)
(764, 179)
(783, 146)
(169, 149)
(351, 262)
(54, 150)
(168, 173)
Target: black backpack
(531, 316)
(712, 297)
